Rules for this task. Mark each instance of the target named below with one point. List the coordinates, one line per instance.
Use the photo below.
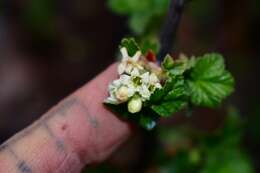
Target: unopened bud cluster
(135, 85)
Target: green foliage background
(184, 149)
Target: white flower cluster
(135, 84)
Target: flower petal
(121, 68)
(144, 92)
(136, 57)
(111, 100)
(145, 77)
(135, 72)
(124, 52)
(125, 79)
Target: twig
(170, 27)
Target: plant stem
(170, 27)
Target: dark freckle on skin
(64, 127)
(23, 167)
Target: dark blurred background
(49, 48)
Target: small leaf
(159, 94)
(171, 98)
(210, 83)
(181, 65)
(167, 109)
(131, 45)
(179, 92)
(168, 63)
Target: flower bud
(122, 94)
(135, 105)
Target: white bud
(122, 94)
(135, 105)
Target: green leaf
(159, 94)
(138, 22)
(181, 65)
(208, 66)
(119, 6)
(227, 160)
(176, 93)
(145, 16)
(129, 6)
(167, 109)
(173, 89)
(131, 45)
(150, 43)
(167, 63)
(154, 7)
(179, 91)
(171, 98)
(209, 82)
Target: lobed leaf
(209, 82)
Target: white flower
(120, 90)
(124, 79)
(135, 72)
(128, 63)
(135, 85)
(114, 85)
(145, 78)
(144, 92)
(153, 79)
(112, 89)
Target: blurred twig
(170, 27)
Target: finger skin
(76, 132)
